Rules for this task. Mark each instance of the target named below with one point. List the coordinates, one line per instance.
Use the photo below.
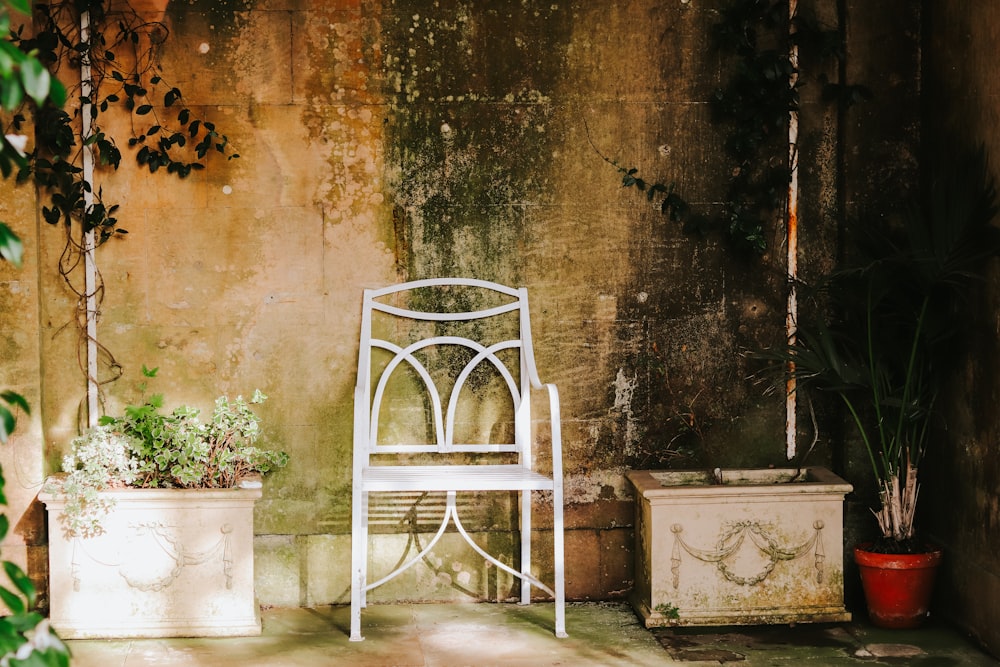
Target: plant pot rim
(249, 488)
(930, 558)
(756, 484)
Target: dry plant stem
(895, 516)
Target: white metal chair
(427, 380)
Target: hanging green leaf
(13, 601)
(11, 96)
(21, 581)
(35, 79)
(11, 248)
(9, 55)
(171, 96)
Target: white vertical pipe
(89, 244)
(792, 238)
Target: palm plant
(890, 323)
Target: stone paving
(606, 634)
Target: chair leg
(359, 560)
(560, 569)
(525, 546)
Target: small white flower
(40, 638)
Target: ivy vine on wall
(107, 54)
(752, 109)
(769, 51)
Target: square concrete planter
(170, 563)
(763, 546)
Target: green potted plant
(151, 524)
(886, 330)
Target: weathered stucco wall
(383, 141)
(961, 495)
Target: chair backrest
(445, 367)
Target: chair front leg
(559, 565)
(359, 561)
(525, 546)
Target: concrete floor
(603, 634)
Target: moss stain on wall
(468, 147)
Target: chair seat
(453, 478)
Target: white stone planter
(171, 563)
(755, 549)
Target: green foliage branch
(26, 639)
(22, 77)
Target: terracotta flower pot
(897, 586)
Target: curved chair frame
(521, 477)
